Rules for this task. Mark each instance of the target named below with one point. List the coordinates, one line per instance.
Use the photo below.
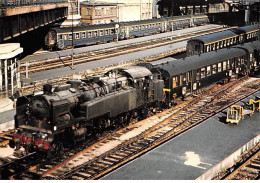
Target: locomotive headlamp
(54, 128)
(44, 136)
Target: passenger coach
(192, 73)
(223, 39)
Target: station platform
(193, 153)
(7, 113)
(6, 104)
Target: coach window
(107, 32)
(89, 34)
(224, 65)
(181, 80)
(207, 48)
(83, 34)
(208, 71)
(221, 44)
(60, 37)
(251, 57)
(224, 43)
(231, 41)
(227, 42)
(65, 36)
(70, 36)
(188, 77)
(101, 33)
(77, 35)
(140, 27)
(198, 74)
(241, 38)
(133, 28)
(202, 72)
(214, 69)
(238, 61)
(112, 31)
(242, 60)
(95, 34)
(219, 67)
(234, 40)
(228, 64)
(174, 82)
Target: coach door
(127, 30)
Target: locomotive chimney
(47, 89)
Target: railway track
(247, 168)
(96, 159)
(37, 66)
(124, 145)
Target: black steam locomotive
(72, 112)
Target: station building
(131, 10)
(98, 12)
(9, 69)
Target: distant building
(132, 10)
(96, 12)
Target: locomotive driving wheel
(55, 150)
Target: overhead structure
(74, 16)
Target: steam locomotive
(70, 113)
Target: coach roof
(211, 38)
(198, 61)
(84, 28)
(248, 28)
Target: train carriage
(200, 19)
(250, 61)
(81, 35)
(177, 22)
(211, 42)
(183, 76)
(247, 33)
(256, 46)
(141, 28)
